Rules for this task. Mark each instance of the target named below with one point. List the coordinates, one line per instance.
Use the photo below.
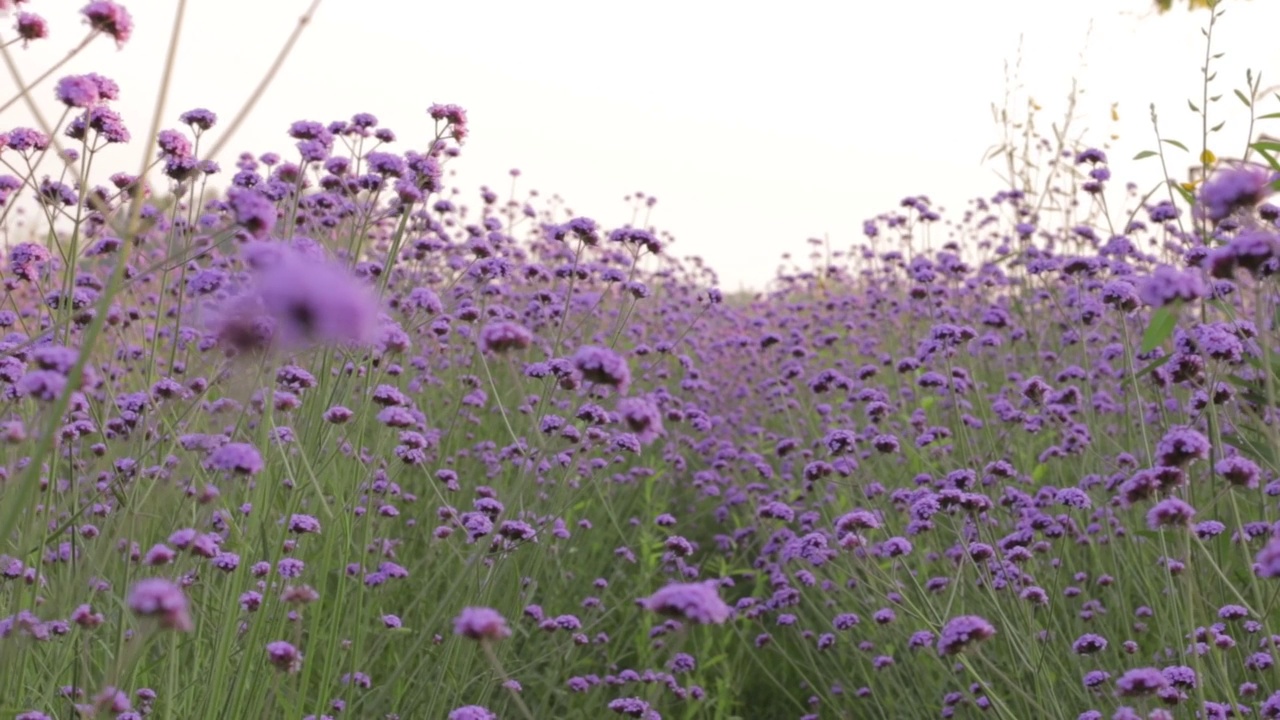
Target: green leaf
(1194, 109)
(1271, 160)
(1145, 154)
(1039, 472)
(1160, 327)
(1265, 145)
(1269, 116)
(1185, 193)
(1176, 144)
(1217, 127)
(1243, 99)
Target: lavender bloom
(961, 631)
(698, 602)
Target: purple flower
(1239, 471)
(501, 336)
(161, 599)
(25, 259)
(1180, 446)
(315, 301)
(303, 524)
(1168, 284)
(1091, 156)
(633, 707)
(1234, 189)
(454, 115)
(241, 458)
(31, 27)
(284, 656)
(698, 602)
(1088, 644)
(472, 712)
(1271, 707)
(602, 366)
(1141, 681)
(961, 631)
(77, 91)
(479, 623)
(1170, 512)
(111, 18)
(173, 144)
(199, 119)
(253, 211)
(642, 417)
(1267, 561)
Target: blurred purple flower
(163, 600)
(698, 602)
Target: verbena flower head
(502, 335)
(472, 712)
(697, 602)
(240, 458)
(1267, 561)
(77, 91)
(480, 623)
(1180, 446)
(1170, 512)
(960, 632)
(199, 119)
(27, 259)
(163, 600)
(455, 115)
(111, 18)
(284, 656)
(1234, 189)
(603, 367)
(1141, 681)
(314, 301)
(31, 26)
(1169, 284)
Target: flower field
(314, 434)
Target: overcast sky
(754, 126)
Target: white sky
(754, 126)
